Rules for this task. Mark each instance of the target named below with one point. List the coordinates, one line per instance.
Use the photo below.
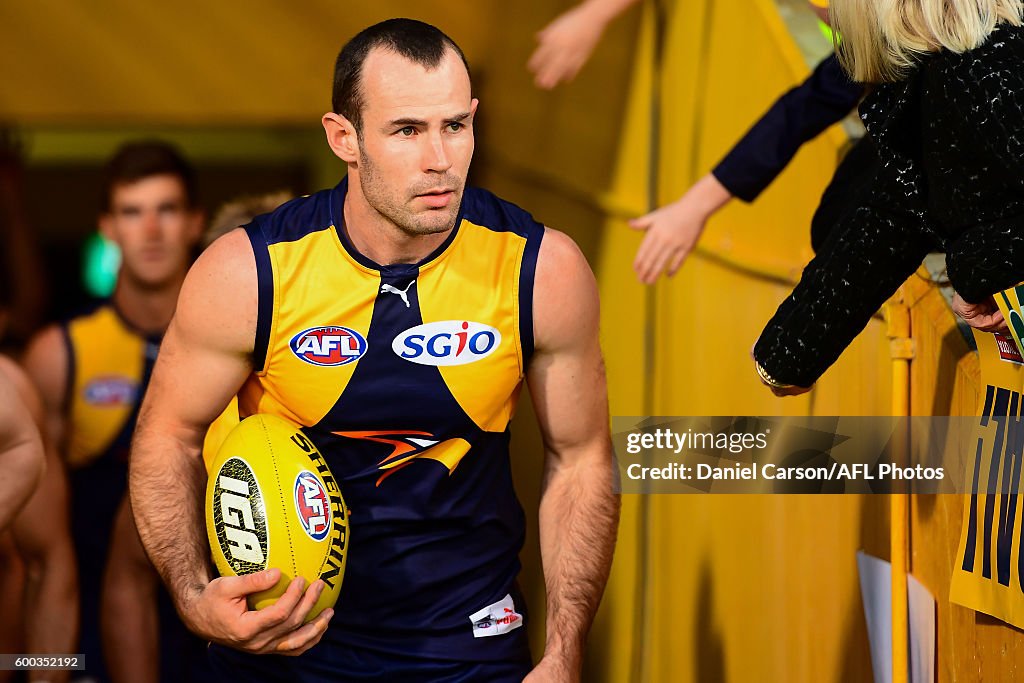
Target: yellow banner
(988, 574)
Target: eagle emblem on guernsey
(408, 446)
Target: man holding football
(400, 259)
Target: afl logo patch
(448, 342)
(240, 518)
(328, 346)
(312, 505)
(111, 391)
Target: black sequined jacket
(950, 140)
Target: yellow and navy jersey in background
(109, 365)
(406, 377)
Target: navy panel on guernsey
(430, 544)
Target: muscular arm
(579, 511)
(42, 530)
(204, 359)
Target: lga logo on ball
(328, 346)
(448, 342)
(312, 505)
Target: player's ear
(341, 136)
(474, 103)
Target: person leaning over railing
(947, 121)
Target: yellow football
(271, 501)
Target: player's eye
(455, 126)
(407, 131)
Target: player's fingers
(301, 639)
(304, 605)
(266, 619)
(241, 586)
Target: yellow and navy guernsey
(109, 365)
(406, 377)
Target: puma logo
(388, 289)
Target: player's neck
(380, 240)
(147, 309)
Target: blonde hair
(880, 40)
(242, 210)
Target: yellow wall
(731, 588)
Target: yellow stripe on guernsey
(107, 363)
(493, 261)
(307, 392)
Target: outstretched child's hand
(673, 230)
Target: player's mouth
(437, 199)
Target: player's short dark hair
(417, 41)
(134, 161)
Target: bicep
(206, 354)
(566, 375)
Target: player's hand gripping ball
(271, 502)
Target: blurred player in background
(130, 581)
(92, 371)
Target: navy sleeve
(798, 116)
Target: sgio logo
(328, 346)
(239, 517)
(448, 342)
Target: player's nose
(436, 156)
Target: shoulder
(486, 209)
(565, 297)
(218, 299)
(46, 360)
(293, 220)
